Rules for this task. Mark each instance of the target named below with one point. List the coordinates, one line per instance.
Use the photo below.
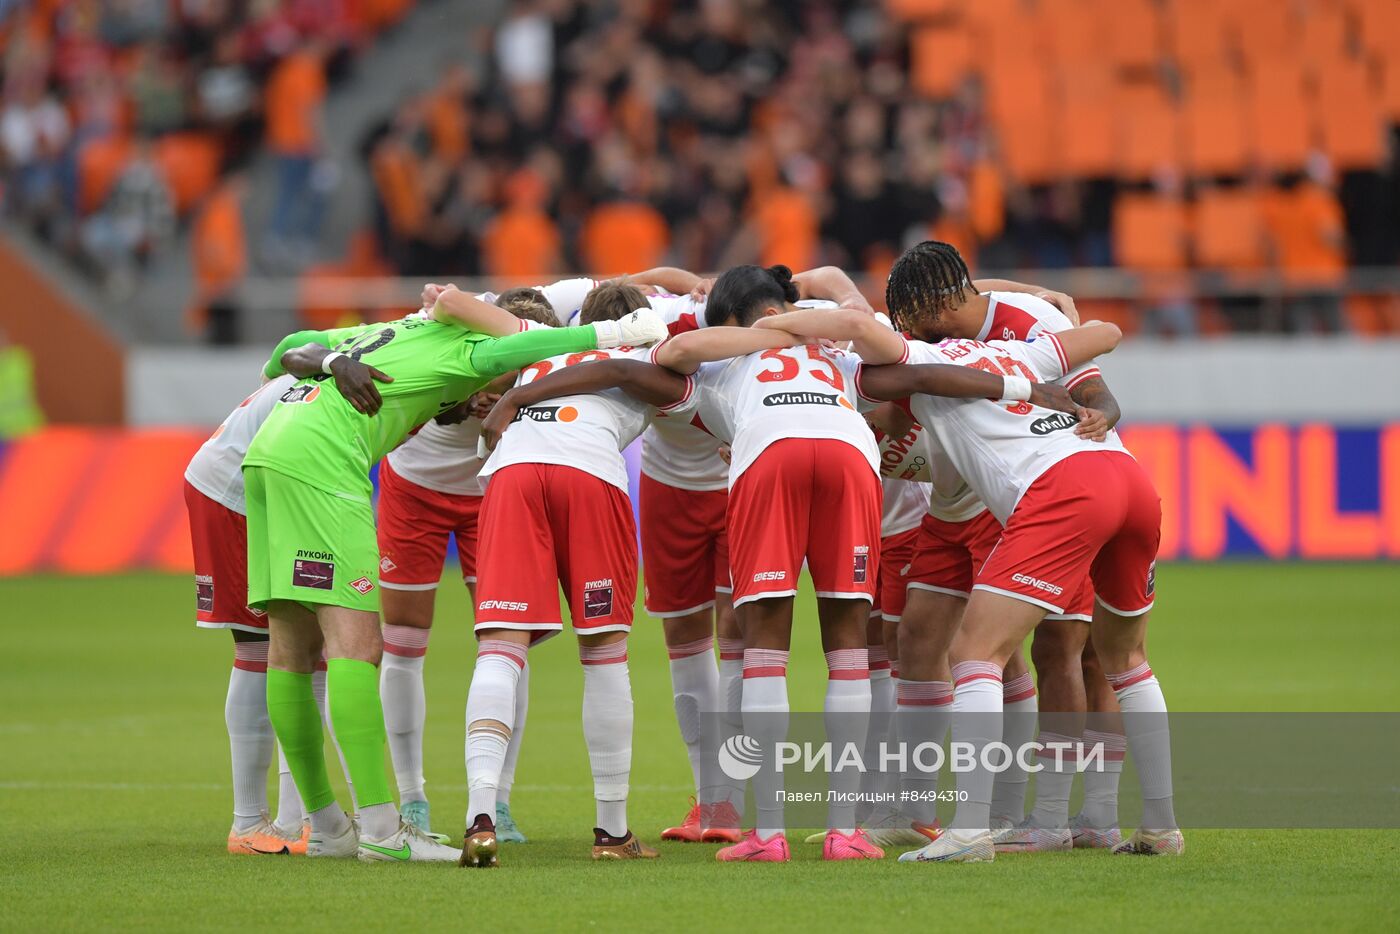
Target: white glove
(642, 327)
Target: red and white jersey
(903, 507)
(588, 431)
(798, 392)
(1016, 316)
(1000, 449)
(216, 470)
(442, 458)
(1011, 316)
(674, 451)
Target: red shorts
(685, 547)
(543, 525)
(414, 525)
(1093, 514)
(807, 498)
(220, 539)
(949, 554)
(896, 557)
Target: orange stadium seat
(990, 18)
(1324, 33)
(522, 243)
(100, 162)
(1150, 232)
(1088, 126)
(1349, 109)
(986, 200)
(788, 228)
(1228, 229)
(940, 57)
(1378, 23)
(1151, 134)
(1216, 137)
(1027, 146)
(190, 162)
(1133, 34)
(1390, 89)
(1197, 32)
(1280, 114)
(1265, 28)
(1073, 31)
(623, 237)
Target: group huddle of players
(949, 476)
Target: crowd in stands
(1163, 136)
(122, 119)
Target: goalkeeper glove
(642, 327)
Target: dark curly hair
(744, 291)
(929, 279)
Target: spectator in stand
(1309, 249)
(220, 261)
(34, 134)
(293, 100)
(134, 225)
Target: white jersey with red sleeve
(1001, 448)
(587, 431)
(798, 392)
(216, 470)
(903, 506)
(1016, 316)
(674, 451)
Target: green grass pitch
(114, 797)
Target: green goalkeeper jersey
(316, 436)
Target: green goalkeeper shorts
(308, 545)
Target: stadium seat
(1264, 28)
(1133, 35)
(1217, 136)
(913, 11)
(1151, 133)
(788, 228)
(1349, 109)
(940, 57)
(1378, 23)
(622, 237)
(190, 163)
(1073, 31)
(1324, 33)
(1088, 131)
(1281, 114)
(1150, 232)
(1390, 89)
(100, 162)
(1228, 229)
(1197, 32)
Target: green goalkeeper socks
(352, 692)
(292, 709)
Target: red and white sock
(517, 736)
(1149, 737)
(1018, 726)
(1100, 808)
(401, 692)
(1059, 761)
(847, 714)
(730, 697)
(765, 717)
(977, 707)
(925, 708)
(607, 729)
(881, 733)
(490, 711)
(250, 737)
(695, 691)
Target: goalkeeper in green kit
(312, 554)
